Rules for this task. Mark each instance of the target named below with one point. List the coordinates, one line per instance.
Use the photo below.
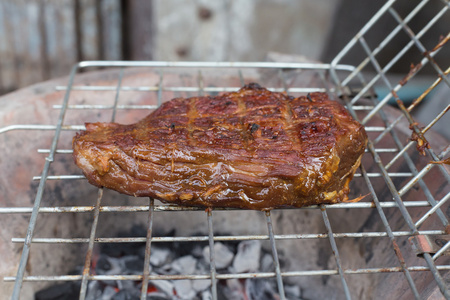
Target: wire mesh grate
(397, 181)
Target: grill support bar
(335, 251)
(276, 261)
(391, 236)
(212, 261)
(88, 259)
(148, 245)
(230, 276)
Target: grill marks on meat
(252, 149)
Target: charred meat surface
(251, 149)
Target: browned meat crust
(252, 149)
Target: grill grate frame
(336, 79)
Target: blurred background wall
(42, 39)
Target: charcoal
(247, 256)
(103, 265)
(158, 296)
(108, 293)
(121, 249)
(133, 264)
(257, 289)
(233, 290)
(164, 286)
(206, 295)
(126, 294)
(184, 289)
(267, 263)
(197, 252)
(63, 291)
(201, 284)
(292, 292)
(222, 255)
(184, 265)
(108, 266)
(94, 291)
(126, 285)
(159, 256)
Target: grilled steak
(251, 149)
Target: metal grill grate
(378, 173)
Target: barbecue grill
(391, 244)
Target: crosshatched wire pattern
(405, 193)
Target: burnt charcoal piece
(133, 264)
(63, 291)
(251, 149)
(126, 295)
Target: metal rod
(404, 212)
(335, 252)
(70, 151)
(388, 66)
(276, 261)
(419, 133)
(200, 84)
(148, 247)
(438, 278)
(415, 172)
(58, 151)
(60, 177)
(100, 106)
(408, 160)
(392, 189)
(215, 65)
(144, 208)
(192, 89)
(27, 127)
(419, 45)
(441, 251)
(231, 276)
(39, 193)
(360, 33)
(160, 87)
(391, 235)
(419, 99)
(41, 127)
(377, 160)
(228, 238)
(241, 77)
(393, 90)
(116, 98)
(410, 143)
(384, 42)
(88, 259)
(72, 177)
(212, 261)
(433, 210)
